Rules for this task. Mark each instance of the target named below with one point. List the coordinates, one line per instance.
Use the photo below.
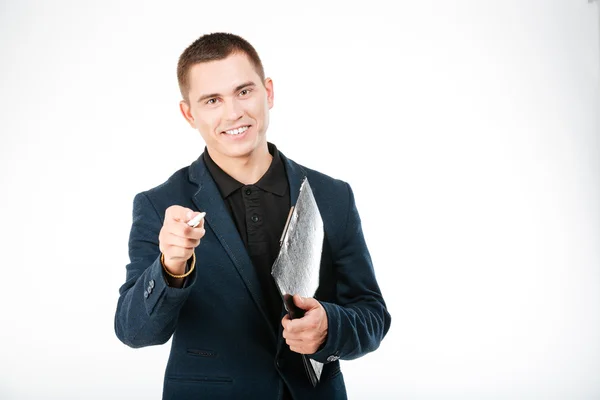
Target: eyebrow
(237, 88)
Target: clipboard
(296, 268)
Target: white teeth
(237, 131)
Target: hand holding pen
(180, 234)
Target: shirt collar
(273, 181)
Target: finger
(305, 335)
(178, 213)
(307, 323)
(298, 349)
(200, 224)
(195, 218)
(285, 321)
(194, 233)
(299, 301)
(183, 230)
(295, 342)
(305, 303)
(288, 335)
(186, 243)
(292, 333)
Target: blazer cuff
(189, 263)
(158, 293)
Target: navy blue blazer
(223, 343)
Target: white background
(468, 130)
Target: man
(210, 286)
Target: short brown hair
(212, 47)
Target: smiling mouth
(237, 131)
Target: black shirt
(259, 212)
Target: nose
(233, 110)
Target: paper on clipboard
(296, 269)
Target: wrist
(173, 267)
(184, 271)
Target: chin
(239, 149)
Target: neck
(247, 170)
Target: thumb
(178, 213)
(305, 303)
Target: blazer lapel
(208, 199)
(295, 174)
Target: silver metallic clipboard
(296, 269)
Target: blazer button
(255, 218)
(146, 294)
(151, 283)
(332, 358)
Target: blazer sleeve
(359, 319)
(147, 309)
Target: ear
(270, 93)
(186, 112)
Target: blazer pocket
(201, 353)
(201, 379)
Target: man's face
(229, 105)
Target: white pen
(196, 220)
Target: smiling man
(209, 286)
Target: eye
(211, 101)
(245, 92)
